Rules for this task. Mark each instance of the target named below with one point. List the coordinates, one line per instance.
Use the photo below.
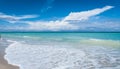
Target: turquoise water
(112, 36)
(104, 39)
(63, 50)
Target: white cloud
(84, 15)
(65, 24)
(13, 19)
(100, 26)
(51, 25)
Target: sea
(63, 50)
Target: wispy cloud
(47, 6)
(84, 15)
(13, 19)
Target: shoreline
(3, 62)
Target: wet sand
(3, 63)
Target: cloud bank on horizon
(88, 20)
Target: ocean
(63, 50)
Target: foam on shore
(55, 57)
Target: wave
(101, 42)
(55, 57)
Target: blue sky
(60, 15)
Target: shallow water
(63, 50)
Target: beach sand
(3, 63)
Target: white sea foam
(11, 41)
(26, 36)
(53, 57)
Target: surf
(55, 57)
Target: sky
(60, 15)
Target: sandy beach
(3, 63)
